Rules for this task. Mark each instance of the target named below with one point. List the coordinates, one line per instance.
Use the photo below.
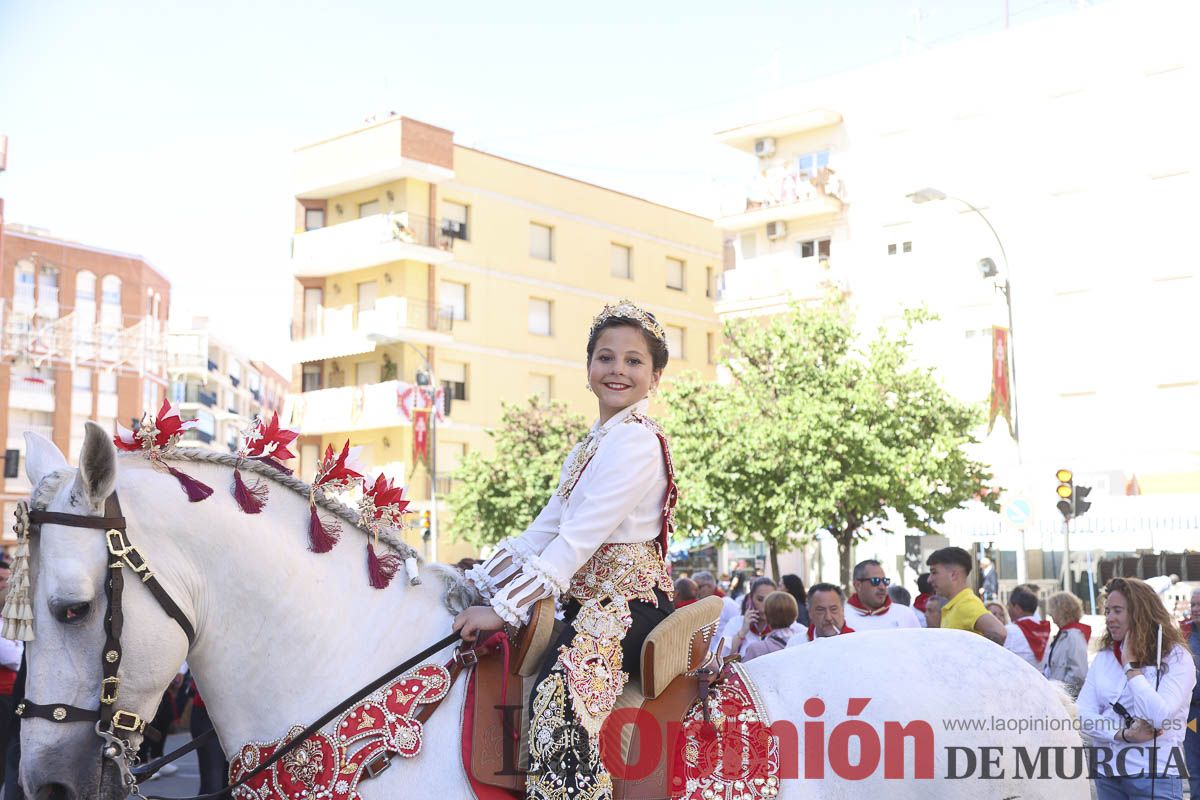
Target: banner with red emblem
(1001, 400)
(420, 427)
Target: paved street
(185, 782)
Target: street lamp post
(987, 269)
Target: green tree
(499, 495)
(819, 430)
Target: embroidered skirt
(617, 599)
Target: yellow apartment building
(412, 252)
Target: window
(312, 311)
(710, 282)
(449, 458)
(108, 382)
(539, 317)
(312, 378)
(455, 217)
(366, 299)
(675, 336)
(813, 247)
(310, 456)
(907, 247)
(810, 163)
(541, 241)
(897, 248)
(710, 341)
(453, 376)
(541, 386)
(891, 249)
(749, 244)
(47, 285)
(622, 261)
(366, 372)
(23, 284)
(675, 272)
(314, 218)
(453, 296)
(81, 379)
(368, 209)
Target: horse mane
(460, 594)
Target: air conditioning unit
(776, 230)
(764, 148)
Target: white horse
(283, 634)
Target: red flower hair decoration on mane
(154, 437)
(382, 506)
(335, 473)
(266, 442)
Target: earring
(588, 386)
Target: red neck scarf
(760, 629)
(921, 601)
(1117, 652)
(869, 612)
(845, 629)
(1036, 633)
(1086, 630)
(682, 603)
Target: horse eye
(72, 613)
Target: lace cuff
(494, 573)
(538, 579)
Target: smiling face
(621, 371)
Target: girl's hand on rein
(476, 620)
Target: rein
(113, 725)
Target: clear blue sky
(165, 128)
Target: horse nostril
(71, 612)
(52, 791)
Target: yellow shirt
(963, 610)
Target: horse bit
(112, 723)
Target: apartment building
(1054, 164)
(413, 252)
(82, 335)
(219, 386)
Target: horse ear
(97, 464)
(41, 457)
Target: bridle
(113, 725)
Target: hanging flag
(1001, 400)
(420, 427)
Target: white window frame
(537, 302)
(679, 352)
(672, 262)
(618, 252)
(369, 208)
(459, 313)
(534, 228)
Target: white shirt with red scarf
(888, 616)
(1028, 638)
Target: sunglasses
(877, 581)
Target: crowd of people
(1131, 695)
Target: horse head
(63, 760)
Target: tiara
(627, 309)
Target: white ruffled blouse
(618, 498)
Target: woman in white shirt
(598, 547)
(751, 625)
(1132, 707)
(1067, 659)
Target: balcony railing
(348, 408)
(31, 392)
(334, 332)
(207, 398)
(778, 275)
(782, 195)
(373, 240)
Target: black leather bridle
(113, 724)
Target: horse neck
(282, 634)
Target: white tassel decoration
(410, 567)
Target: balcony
(781, 196)
(774, 280)
(31, 392)
(106, 405)
(348, 409)
(744, 137)
(380, 152)
(335, 332)
(196, 435)
(186, 364)
(368, 242)
(16, 437)
(205, 398)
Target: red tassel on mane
(382, 570)
(250, 498)
(195, 490)
(322, 538)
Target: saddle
(499, 702)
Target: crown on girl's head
(627, 309)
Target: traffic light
(1066, 491)
(1081, 503)
(426, 525)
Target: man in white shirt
(826, 614)
(1027, 636)
(870, 608)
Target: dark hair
(899, 595)
(658, 348)
(923, 584)
(951, 556)
(825, 587)
(795, 587)
(1023, 599)
(861, 567)
(685, 589)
